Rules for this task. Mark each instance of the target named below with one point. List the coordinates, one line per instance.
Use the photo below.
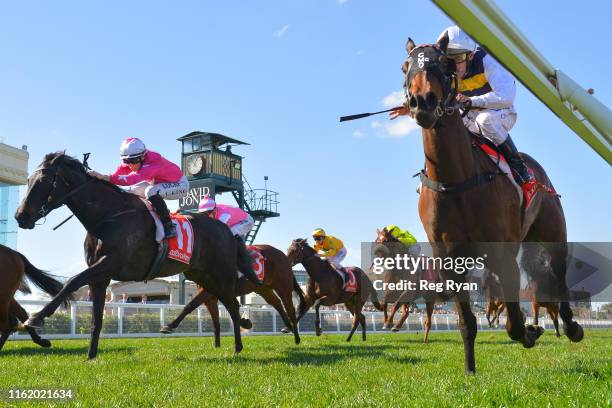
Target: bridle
(429, 58)
(300, 255)
(51, 204)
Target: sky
(82, 76)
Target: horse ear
(56, 158)
(409, 45)
(443, 42)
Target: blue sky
(82, 76)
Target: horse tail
(245, 262)
(298, 290)
(43, 280)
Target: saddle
(348, 278)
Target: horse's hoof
(238, 349)
(166, 330)
(298, 340)
(43, 343)
(318, 332)
(532, 333)
(558, 335)
(217, 344)
(246, 324)
(395, 330)
(285, 330)
(34, 322)
(384, 328)
(574, 332)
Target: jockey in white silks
(488, 90)
(149, 175)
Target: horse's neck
(448, 151)
(313, 266)
(94, 202)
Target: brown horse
(493, 295)
(278, 286)
(464, 202)
(14, 267)
(324, 287)
(393, 276)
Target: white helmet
(132, 148)
(458, 41)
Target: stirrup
(169, 230)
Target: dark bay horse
(13, 267)
(278, 286)
(120, 242)
(463, 203)
(324, 287)
(494, 297)
(385, 237)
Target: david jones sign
(191, 201)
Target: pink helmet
(131, 148)
(207, 204)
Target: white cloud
(282, 31)
(358, 134)
(397, 128)
(395, 98)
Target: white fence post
(337, 322)
(200, 320)
(273, 320)
(73, 318)
(162, 316)
(120, 320)
(373, 317)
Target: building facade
(13, 173)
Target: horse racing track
(386, 370)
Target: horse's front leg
(317, 305)
(98, 296)
(99, 271)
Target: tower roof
(217, 138)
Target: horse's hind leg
(535, 309)
(22, 315)
(287, 300)
(188, 309)
(553, 312)
(430, 307)
(269, 296)
(558, 262)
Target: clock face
(195, 164)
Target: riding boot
(522, 174)
(164, 215)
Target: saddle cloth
(503, 165)
(350, 284)
(259, 262)
(181, 246)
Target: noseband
(430, 59)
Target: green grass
(387, 370)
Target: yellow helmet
(319, 232)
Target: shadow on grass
(57, 351)
(318, 356)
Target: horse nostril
(413, 102)
(431, 99)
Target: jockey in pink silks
(149, 175)
(238, 220)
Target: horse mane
(74, 164)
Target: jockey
(151, 176)
(329, 247)
(401, 235)
(488, 89)
(238, 220)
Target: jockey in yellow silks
(401, 235)
(329, 247)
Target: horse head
(428, 87)
(295, 252)
(48, 187)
